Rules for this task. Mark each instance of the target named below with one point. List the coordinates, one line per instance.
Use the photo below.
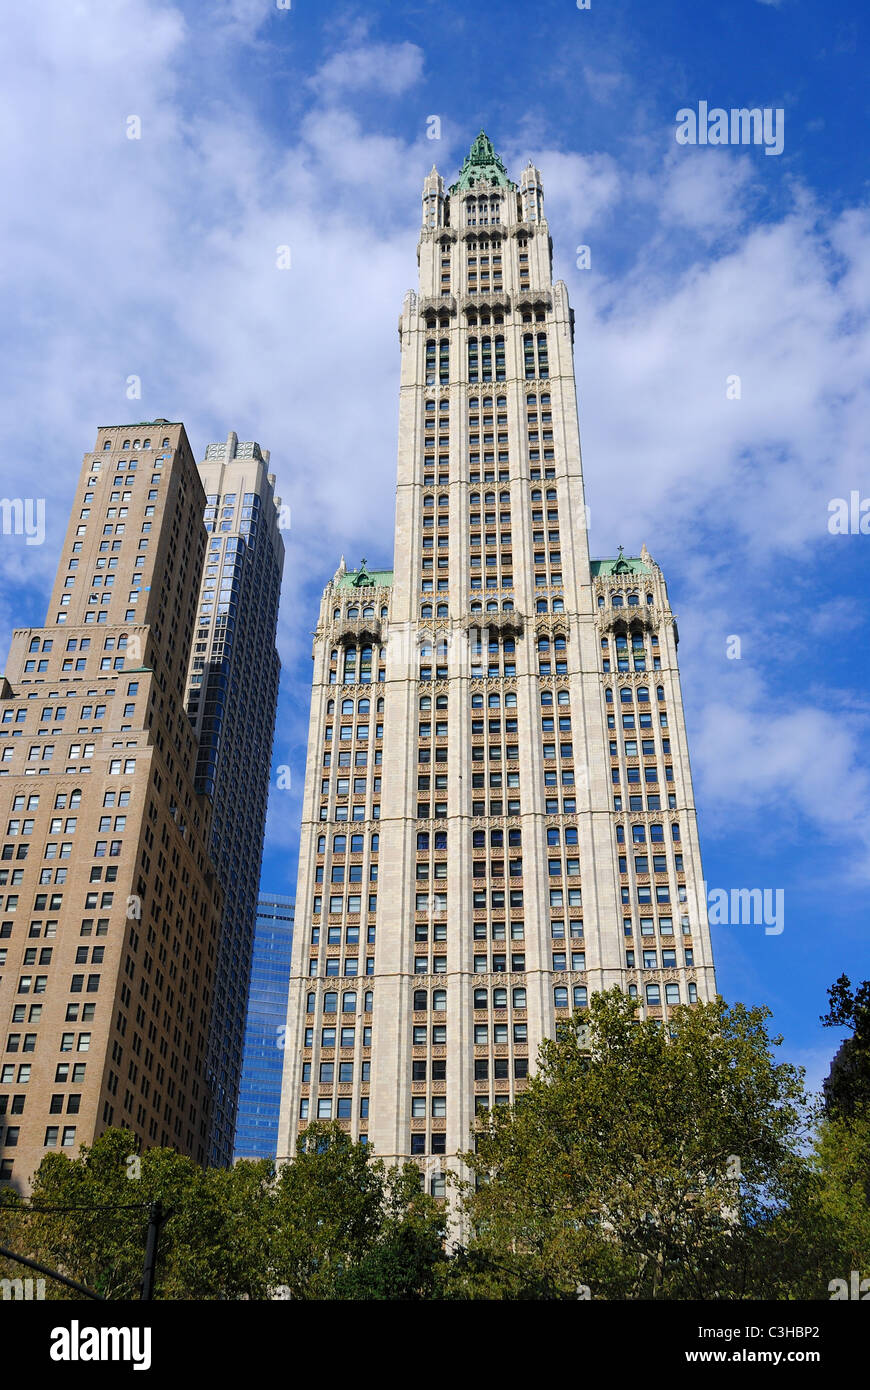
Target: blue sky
(307, 127)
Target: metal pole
(155, 1217)
(52, 1273)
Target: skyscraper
(109, 906)
(498, 815)
(260, 1090)
(232, 700)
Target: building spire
(482, 165)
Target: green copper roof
(137, 424)
(364, 578)
(482, 164)
(623, 564)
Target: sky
(155, 157)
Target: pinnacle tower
(498, 815)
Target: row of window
(136, 444)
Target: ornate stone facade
(506, 822)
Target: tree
(332, 1223)
(214, 1242)
(649, 1162)
(349, 1227)
(842, 1154)
(847, 1090)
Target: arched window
(353, 613)
(426, 610)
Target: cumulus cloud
(374, 67)
(158, 257)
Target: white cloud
(785, 770)
(158, 257)
(376, 67)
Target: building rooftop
(482, 165)
(363, 578)
(137, 424)
(622, 564)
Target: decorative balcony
(357, 631)
(486, 299)
(436, 304)
(505, 624)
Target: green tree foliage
(847, 1091)
(348, 1227)
(649, 1163)
(212, 1243)
(641, 1161)
(843, 1158)
(330, 1224)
